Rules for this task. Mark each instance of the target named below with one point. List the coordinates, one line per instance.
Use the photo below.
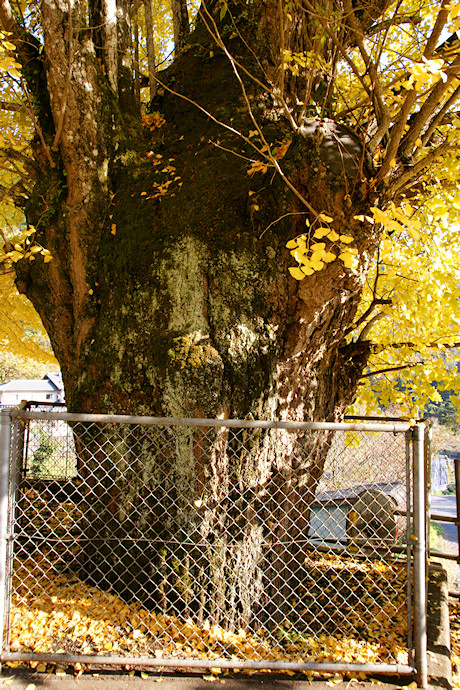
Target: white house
(48, 389)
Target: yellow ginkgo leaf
(292, 244)
(348, 260)
(413, 233)
(296, 272)
(333, 236)
(321, 232)
(379, 215)
(346, 239)
(298, 254)
(317, 264)
(329, 257)
(325, 218)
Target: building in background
(49, 389)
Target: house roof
(32, 385)
(56, 378)
(50, 383)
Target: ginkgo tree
(271, 226)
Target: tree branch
(439, 117)
(181, 25)
(150, 48)
(370, 324)
(398, 129)
(388, 369)
(422, 117)
(386, 24)
(9, 22)
(68, 77)
(37, 126)
(377, 348)
(237, 65)
(13, 107)
(375, 303)
(414, 171)
(6, 242)
(382, 112)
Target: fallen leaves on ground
(57, 612)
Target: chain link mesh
(192, 542)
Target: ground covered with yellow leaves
(57, 612)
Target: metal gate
(181, 543)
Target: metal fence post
(457, 497)
(419, 550)
(427, 452)
(5, 441)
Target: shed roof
(394, 489)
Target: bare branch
(370, 324)
(389, 369)
(375, 303)
(377, 348)
(439, 24)
(6, 242)
(13, 107)
(269, 155)
(12, 154)
(285, 215)
(412, 19)
(237, 65)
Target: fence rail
(212, 543)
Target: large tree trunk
(169, 295)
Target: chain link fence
(212, 543)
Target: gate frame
(416, 551)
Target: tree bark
(181, 24)
(169, 295)
(151, 60)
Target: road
(444, 505)
(447, 506)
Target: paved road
(444, 505)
